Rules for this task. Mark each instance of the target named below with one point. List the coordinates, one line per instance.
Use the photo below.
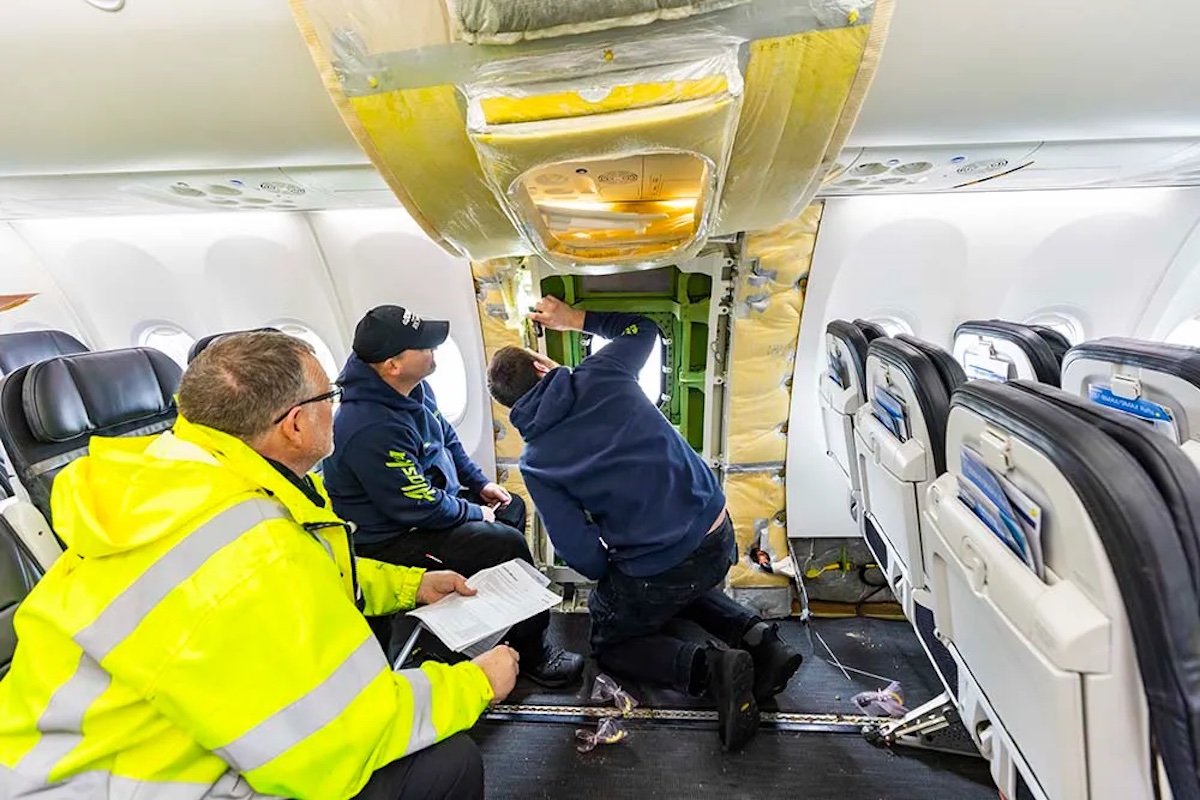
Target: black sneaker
(775, 662)
(557, 669)
(731, 686)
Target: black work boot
(731, 686)
(556, 669)
(775, 662)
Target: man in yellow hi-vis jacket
(203, 635)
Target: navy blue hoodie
(397, 463)
(596, 444)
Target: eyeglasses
(333, 395)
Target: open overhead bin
(614, 133)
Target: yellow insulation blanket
(799, 95)
(756, 502)
(495, 296)
(563, 105)
(768, 300)
(509, 476)
(421, 148)
(767, 305)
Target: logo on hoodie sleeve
(418, 487)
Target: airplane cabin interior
(926, 278)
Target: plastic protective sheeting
(621, 172)
(729, 117)
(794, 120)
(768, 300)
(510, 21)
(497, 288)
(766, 325)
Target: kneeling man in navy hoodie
(628, 503)
(399, 472)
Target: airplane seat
(19, 571)
(1156, 383)
(871, 330)
(895, 474)
(899, 435)
(51, 409)
(28, 347)
(204, 341)
(997, 350)
(1056, 687)
(843, 390)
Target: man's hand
(500, 666)
(557, 315)
(436, 585)
(495, 495)
(489, 513)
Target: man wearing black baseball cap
(399, 472)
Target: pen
(434, 559)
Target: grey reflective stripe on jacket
(94, 785)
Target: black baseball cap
(386, 331)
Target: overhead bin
(622, 133)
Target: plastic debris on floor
(888, 702)
(609, 730)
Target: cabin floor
(529, 743)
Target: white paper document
(507, 594)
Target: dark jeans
(450, 770)
(466, 550)
(639, 625)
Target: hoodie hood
(132, 491)
(361, 383)
(545, 405)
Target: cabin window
(1065, 324)
(1186, 332)
(449, 382)
(167, 338)
(651, 376)
(892, 326)
(306, 334)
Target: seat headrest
(856, 343)
(1059, 344)
(204, 341)
(950, 370)
(1041, 354)
(871, 330)
(88, 393)
(28, 347)
(1172, 359)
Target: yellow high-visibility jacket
(200, 639)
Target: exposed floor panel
(887, 649)
(527, 760)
